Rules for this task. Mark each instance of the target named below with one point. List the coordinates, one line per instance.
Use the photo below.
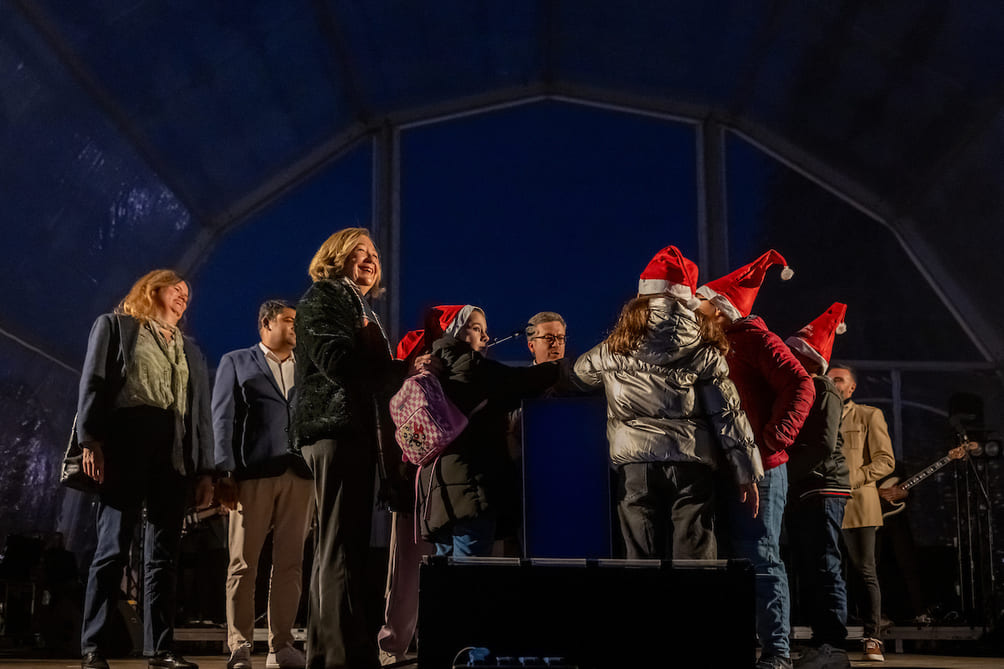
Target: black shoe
(93, 661)
(169, 660)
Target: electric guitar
(891, 508)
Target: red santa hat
(734, 293)
(411, 343)
(443, 318)
(670, 273)
(815, 340)
(448, 319)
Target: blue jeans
(814, 534)
(138, 473)
(470, 538)
(757, 540)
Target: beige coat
(868, 451)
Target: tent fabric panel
(228, 93)
(98, 212)
(410, 55)
(838, 255)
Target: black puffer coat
(473, 477)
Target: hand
(203, 491)
(425, 363)
(94, 461)
(893, 493)
(749, 493)
(228, 493)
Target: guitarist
(868, 451)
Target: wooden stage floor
(901, 661)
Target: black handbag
(72, 473)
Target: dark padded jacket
(473, 477)
(345, 373)
(816, 464)
(775, 389)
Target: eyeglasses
(552, 339)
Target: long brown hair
(711, 331)
(139, 302)
(632, 325)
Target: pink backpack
(427, 423)
(426, 420)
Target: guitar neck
(923, 474)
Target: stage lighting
(992, 448)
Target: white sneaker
(288, 657)
(240, 658)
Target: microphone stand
(498, 340)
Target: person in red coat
(777, 393)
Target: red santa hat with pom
(734, 293)
(815, 340)
(670, 273)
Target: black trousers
(863, 577)
(667, 510)
(337, 631)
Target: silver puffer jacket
(672, 400)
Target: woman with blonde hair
(673, 416)
(345, 375)
(144, 423)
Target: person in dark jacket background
(143, 421)
(819, 487)
(776, 394)
(345, 374)
(465, 495)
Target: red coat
(775, 390)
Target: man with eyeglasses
(545, 337)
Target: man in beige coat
(868, 452)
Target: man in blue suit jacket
(265, 486)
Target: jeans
(860, 543)
(138, 472)
(814, 534)
(666, 510)
(758, 540)
(471, 538)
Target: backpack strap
(428, 494)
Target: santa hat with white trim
(815, 340)
(670, 273)
(439, 320)
(734, 293)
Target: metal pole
(712, 214)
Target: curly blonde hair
(138, 303)
(329, 261)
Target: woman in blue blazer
(144, 422)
